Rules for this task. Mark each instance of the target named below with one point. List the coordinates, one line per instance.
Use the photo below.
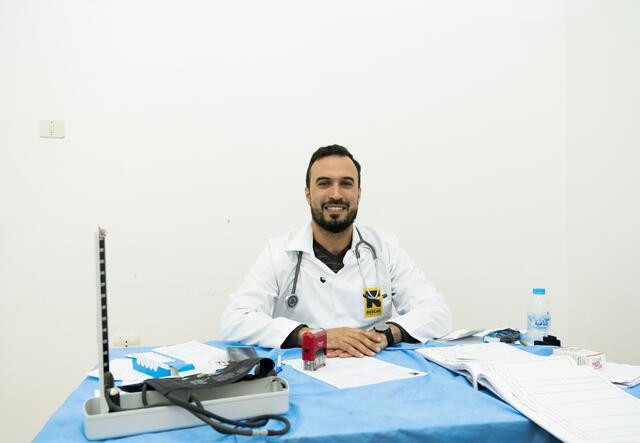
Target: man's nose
(335, 192)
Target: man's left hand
(397, 335)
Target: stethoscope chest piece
(291, 300)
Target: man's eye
(323, 184)
(347, 184)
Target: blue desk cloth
(440, 407)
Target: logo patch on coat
(372, 299)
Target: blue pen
(279, 364)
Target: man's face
(334, 192)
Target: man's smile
(333, 208)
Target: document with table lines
(572, 402)
(469, 360)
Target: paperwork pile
(626, 376)
(574, 403)
(470, 360)
(205, 358)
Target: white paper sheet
(152, 356)
(204, 357)
(574, 403)
(626, 375)
(491, 352)
(122, 370)
(353, 372)
(459, 333)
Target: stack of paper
(623, 375)
(460, 333)
(122, 370)
(469, 360)
(574, 403)
(205, 358)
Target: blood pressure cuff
(182, 392)
(248, 369)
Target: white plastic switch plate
(126, 340)
(51, 128)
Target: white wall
(603, 109)
(189, 127)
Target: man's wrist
(385, 330)
(300, 334)
(397, 333)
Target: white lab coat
(257, 313)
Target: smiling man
(354, 281)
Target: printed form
(572, 402)
(353, 372)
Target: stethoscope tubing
(291, 300)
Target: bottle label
(539, 321)
(538, 324)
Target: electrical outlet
(126, 340)
(51, 128)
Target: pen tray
(268, 395)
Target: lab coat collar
(303, 239)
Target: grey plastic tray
(269, 395)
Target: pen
(279, 364)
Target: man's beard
(334, 224)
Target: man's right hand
(352, 342)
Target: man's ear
(307, 195)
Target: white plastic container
(538, 317)
(268, 395)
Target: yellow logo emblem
(372, 299)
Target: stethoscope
(369, 292)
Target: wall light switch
(51, 128)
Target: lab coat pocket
(376, 296)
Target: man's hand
(352, 342)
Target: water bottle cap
(539, 291)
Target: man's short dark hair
(326, 151)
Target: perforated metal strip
(102, 264)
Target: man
(334, 275)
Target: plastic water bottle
(538, 318)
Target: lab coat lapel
(302, 240)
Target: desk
(441, 407)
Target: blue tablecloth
(439, 407)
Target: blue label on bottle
(538, 322)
